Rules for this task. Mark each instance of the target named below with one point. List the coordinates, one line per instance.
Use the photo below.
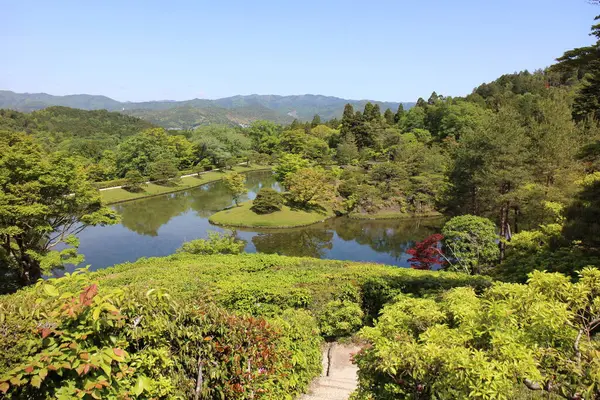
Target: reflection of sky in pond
(157, 226)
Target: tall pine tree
(388, 117)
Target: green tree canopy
(44, 202)
(471, 243)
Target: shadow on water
(157, 226)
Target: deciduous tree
(44, 202)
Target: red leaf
(118, 352)
(29, 369)
(85, 298)
(45, 333)
(4, 386)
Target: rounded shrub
(267, 201)
(340, 318)
(134, 181)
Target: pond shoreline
(181, 189)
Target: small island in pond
(287, 217)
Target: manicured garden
(119, 195)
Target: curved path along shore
(338, 379)
(181, 177)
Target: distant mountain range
(190, 113)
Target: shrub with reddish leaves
(427, 253)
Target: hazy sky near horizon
(396, 50)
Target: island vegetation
(511, 311)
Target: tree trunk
(504, 228)
(31, 270)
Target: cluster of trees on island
(515, 165)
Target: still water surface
(157, 226)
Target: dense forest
(515, 167)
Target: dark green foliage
(315, 121)
(162, 171)
(583, 215)
(134, 181)
(267, 201)
(388, 116)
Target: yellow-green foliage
(463, 345)
(340, 318)
(264, 284)
(216, 243)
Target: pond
(157, 226)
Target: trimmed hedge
(266, 284)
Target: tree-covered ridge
(192, 113)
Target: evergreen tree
(375, 114)
(315, 121)
(307, 127)
(434, 98)
(333, 123)
(348, 119)
(399, 114)
(587, 101)
(368, 113)
(388, 117)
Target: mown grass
(120, 195)
(244, 217)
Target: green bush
(471, 243)
(162, 171)
(340, 318)
(217, 243)
(267, 201)
(497, 345)
(134, 181)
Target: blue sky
(393, 50)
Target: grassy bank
(394, 215)
(120, 195)
(244, 217)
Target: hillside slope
(189, 113)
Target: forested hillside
(236, 110)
